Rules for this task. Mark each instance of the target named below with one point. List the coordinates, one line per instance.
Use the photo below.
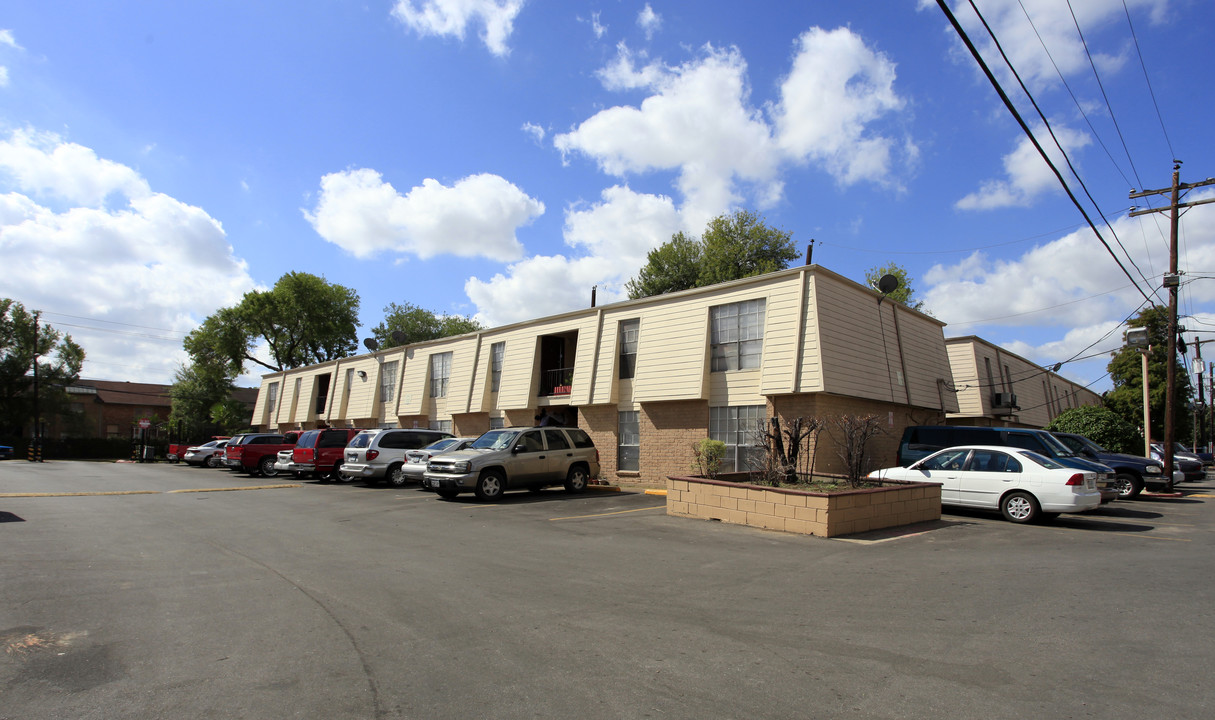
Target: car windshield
(1059, 448)
(441, 445)
(1040, 459)
(361, 440)
(495, 440)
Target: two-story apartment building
(996, 387)
(650, 378)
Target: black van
(920, 441)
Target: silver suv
(374, 455)
(512, 458)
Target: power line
(1059, 145)
(1025, 128)
(1147, 79)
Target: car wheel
(395, 476)
(265, 468)
(447, 493)
(490, 486)
(1127, 485)
(1019, 507)
(575, 482)
(211, 461)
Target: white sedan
(1021, 484)
(415, 460)
(208, 454)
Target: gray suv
(512, 458)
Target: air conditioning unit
(1004, 400)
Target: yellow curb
(603, 488)
(247, 487)
(662, 493)
(80, 494)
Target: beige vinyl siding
(584, 355)
(740, 387)
(463, 351)
(856, 346)
(929, 373)
(782, 319)
(520, 359)
(261, 414)
(967, 378)
(811, 374)
(364, 391)
(607, 386)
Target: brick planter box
(809, 513)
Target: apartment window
(628, 348)
(628, 441)
(737, 335)
(388, 382)
(440, 373)
(497, 423)
(441, 425)
(497, 352)
(271, 400)
(739, 428)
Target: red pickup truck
(255, 453)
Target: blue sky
(498, 158)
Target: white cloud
(43, 164)
(535, 131)
(1069, 282)
(452, 17)
(836, 88)
(649, 21)
(616, 232)
(6, 38)
(1027, 174)
(1052, 21)
(477, 216)
(151, 266)
(698, 122)
(597, 27)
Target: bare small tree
(783, 448)
(852, 434)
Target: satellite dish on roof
(888, 284)
(371, 344)
(398, 337)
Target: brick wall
(470, 424)
(669, 431)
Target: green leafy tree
(734, 246)
(59, 363)
(196, 389)
(672, 266)
(904, 294)
(1102, 426)
(230, 415)
(740, 245)
(418, 325)
(303, 320)
(1126, 374)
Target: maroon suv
(320, 452)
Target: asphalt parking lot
(151, 591)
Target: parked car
(376, 454)
(416, 460)
(208, 454)
(1187, 462)
(512, 458)
(6, 452)
(321, 452)
(256, 453)
(1023, 485)
(919, 441)
(1131, 473)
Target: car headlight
(1153, 469)
(462, 467)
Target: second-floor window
(628, 348)
(440, 373)
(388, 382)
(272, 401)
(737, 335)
(497, 352)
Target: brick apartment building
(650, 378)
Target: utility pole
(35, 451)
(1171, 281)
